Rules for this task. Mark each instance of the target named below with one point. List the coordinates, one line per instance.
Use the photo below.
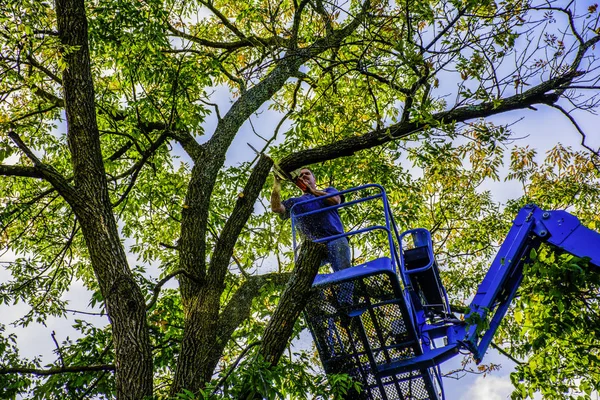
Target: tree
(359, 82)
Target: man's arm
(276, 205)
(330, 201)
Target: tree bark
(293, 300)
(201, 297)
(124, 300)
(201, 346)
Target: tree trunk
(124, 300)
(293, 300)
(201, 347)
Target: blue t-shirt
(315, 226)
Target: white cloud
(489, 388)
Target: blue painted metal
(383, 331)
(381, 195)
(531, 227)
(362, 318)
(422, 237)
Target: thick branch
(55, 371)
(286, 68)
(544, 93)
(20, 170)
(240, 305)
(57, 101)
(244, 207)
(44, 171)
(190, 145)
(293, 300)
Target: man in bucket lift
(315, 226)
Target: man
(319, 225)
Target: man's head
(308, 178)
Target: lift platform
(387, 322)
(362, 318)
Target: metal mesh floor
(358, 326)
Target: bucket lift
(382, 321)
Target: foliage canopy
(114, 176)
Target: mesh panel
(359, 325)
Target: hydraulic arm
(531, 227)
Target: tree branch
(544, 93)
(45, 171)
(505, 354)
(385, 81)
(21, 145)
(32, 113)
(246, 42)
(292, 302)
(239, 307)
(244, 207)
(58, 370)
(577, 127)
(224, 19)
(233, 366)
(20, 170)
(190, 145)
(34, 63)
(137, 167)
(160, 284)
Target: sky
(541, 129)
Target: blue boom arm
(531, 227)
